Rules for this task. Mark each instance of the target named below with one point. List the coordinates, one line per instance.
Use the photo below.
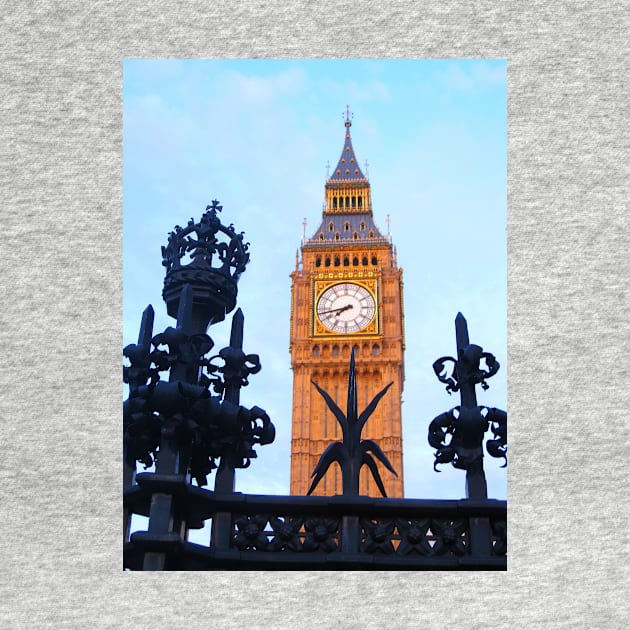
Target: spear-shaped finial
(352, 452)
(348, 115)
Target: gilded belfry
(346, 293)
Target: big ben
(346, 294)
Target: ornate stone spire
(348, 169)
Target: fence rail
(317, 533)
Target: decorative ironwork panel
(282, 533)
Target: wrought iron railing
(192, 424)
(310, 533)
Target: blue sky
(256, 135)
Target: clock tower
(346, 293)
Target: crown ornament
(208, 256)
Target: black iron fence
(310, 533)
(192, 424)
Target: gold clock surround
(321, 286)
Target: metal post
(225, 475)
(476, 486)
(172, 460)
(129, 465)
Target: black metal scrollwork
(378, 535)
(466, 368)
(202, 247)
(234, 368)
(457, 435)
(321, 534)
(204, 427)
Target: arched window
(327, 262)
(365, 261)
(321, 236)
(346, 227)
(355, 261)
(360, 202)
(346, 261)
(374, 261)
(336, 261)
(335, 351)
(355, 236)
(354, 202)
(318, 262)
(376, 350)
(337, 236)
(331, 226)
(341, 202)
(334, 202)
(362, 225)
(347, 202)
(315, 351)
(371, 233)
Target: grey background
(60, 170)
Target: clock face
(346, 308)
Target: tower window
(362, 226)
(371, 233)
(354, 202)
(355, 236)
(335, 351)
(318, 262)
(335, 202)
(346, 261)
(327, 262)
(347, 202)
(346, 227)
(321, 236)
(331, 226)
(355, 260)
(374, 261)
(336, 261)
(365, 261)
(337, 236)
(360, 201)
(315, 351)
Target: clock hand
(336, 310)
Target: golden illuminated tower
(346, 293)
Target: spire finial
(367, 173)
(327, 169)
(348, 122)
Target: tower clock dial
(346, 308)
